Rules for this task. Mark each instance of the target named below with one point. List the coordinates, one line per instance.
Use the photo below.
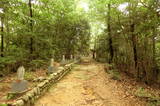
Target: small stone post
(20, 85)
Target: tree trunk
(154, 43)
(2, 38)
(109, 34)
(7, 33)
(155, 70)
(31, 26)
(134, 39)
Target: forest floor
(89, 85)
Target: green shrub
(3, 105)
(28, 76)
(114, 74)
(141, 92)
(151, 99)
(37, 63)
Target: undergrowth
(151, 99)
(112, 71)
(28, 76)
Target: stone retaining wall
(29, 98)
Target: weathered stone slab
(19, 86)
(20, 73)
(51, 69)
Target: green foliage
(141, 92)
(132, 30)
(6, 60)
(112, 71)
(154, 103)
(55, 28)
(6, 63)
(114, 74)
(11, 96)
(29, 76)
(150, 98)
(37, 63)
(3, 105)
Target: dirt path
(87, 85)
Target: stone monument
(51, 68)
(63, 58)
(63, 62)
(20, 85)
(71, 57)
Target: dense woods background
(124, 33)
(35, 30)
(131, 38)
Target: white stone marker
(51, 68)
(63, 58)
(63, 62)
(20, 85)
(52, 62)
(71, 56)
(20, 73)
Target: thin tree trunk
(155, 71)
(134, 39)
(109, 34)
(154, 47)
(31, 26)
(8, 31)
(2, 38)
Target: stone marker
(63, 58)
(20, 73)
(20, 85)
(71, 57)
(63, 62)
(51, 68)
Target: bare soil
(89, 85)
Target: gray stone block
(19, 86)
(19, 103)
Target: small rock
(59, 71)
(35, 90)
(39, 79)
(49, 78)
(32, 100)
(55, 73)
(41, 84)
(38, 90)
(18, 103)
(60, 68)
(25, 98)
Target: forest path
(87, 85)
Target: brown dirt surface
(89, 85)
